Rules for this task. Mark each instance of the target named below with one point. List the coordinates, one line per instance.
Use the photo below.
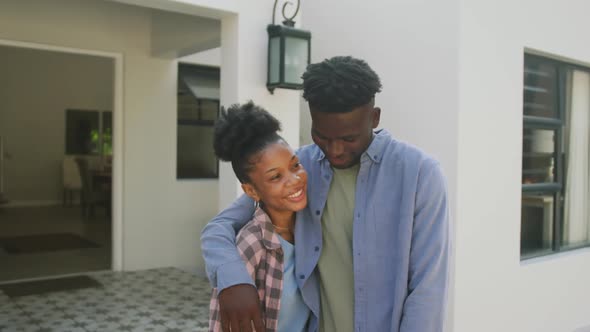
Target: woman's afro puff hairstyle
(241, 132)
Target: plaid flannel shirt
(260, 248)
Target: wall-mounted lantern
(289, 50)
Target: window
(89, 132)
(198, 109)
(555, 157)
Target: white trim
(118, 155)
(118, 144)
(555, 256)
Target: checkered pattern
(261, 250)
(158, 300)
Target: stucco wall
(452, 75)
(413, 47)
(495, 291)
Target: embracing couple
(348, 234)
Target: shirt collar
(270, 239)
(375, 149)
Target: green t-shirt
(335, 264)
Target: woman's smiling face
(277, 179)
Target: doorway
(58, 122)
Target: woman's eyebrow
(275, 168)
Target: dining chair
(72, 181)
(92, 196)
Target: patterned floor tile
(167, 300)
(11, 327)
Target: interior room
(56, 126)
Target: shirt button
(375, 156)
(317, 248)
(317, 212)
(301, 276)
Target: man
(377, 241)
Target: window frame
(101, 132)
(205, 70)
(556, 124)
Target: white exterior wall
(494, 290)
(452, 76)
(413, 46)
(210, 57)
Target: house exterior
(156, 217)
(452, 75)
(453, 85)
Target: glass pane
(274, 62)
(538, 156)
(107, 133)
(540, 89)
(576, 221)
(295, 59)
(209, 110)
(187, 106)
(536, 224)
(196, 158)
(198, 108)
(82, 135)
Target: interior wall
(495, 291)
(36, 88)
(162, 217)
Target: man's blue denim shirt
(401, 238)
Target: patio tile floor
(167, 300)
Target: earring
(256, 204)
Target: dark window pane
(107, 133)
(538, 156)
(209, 110)
(196, 158)
(82, 132)
(198, 108)
(540, 89)
(536, 225)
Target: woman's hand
(239, 308)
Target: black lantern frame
(278, 36)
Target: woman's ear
(250, 191)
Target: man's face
(343, 137)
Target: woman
(270, 173)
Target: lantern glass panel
(296, 52)
(274, 61)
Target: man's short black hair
(339, 84)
